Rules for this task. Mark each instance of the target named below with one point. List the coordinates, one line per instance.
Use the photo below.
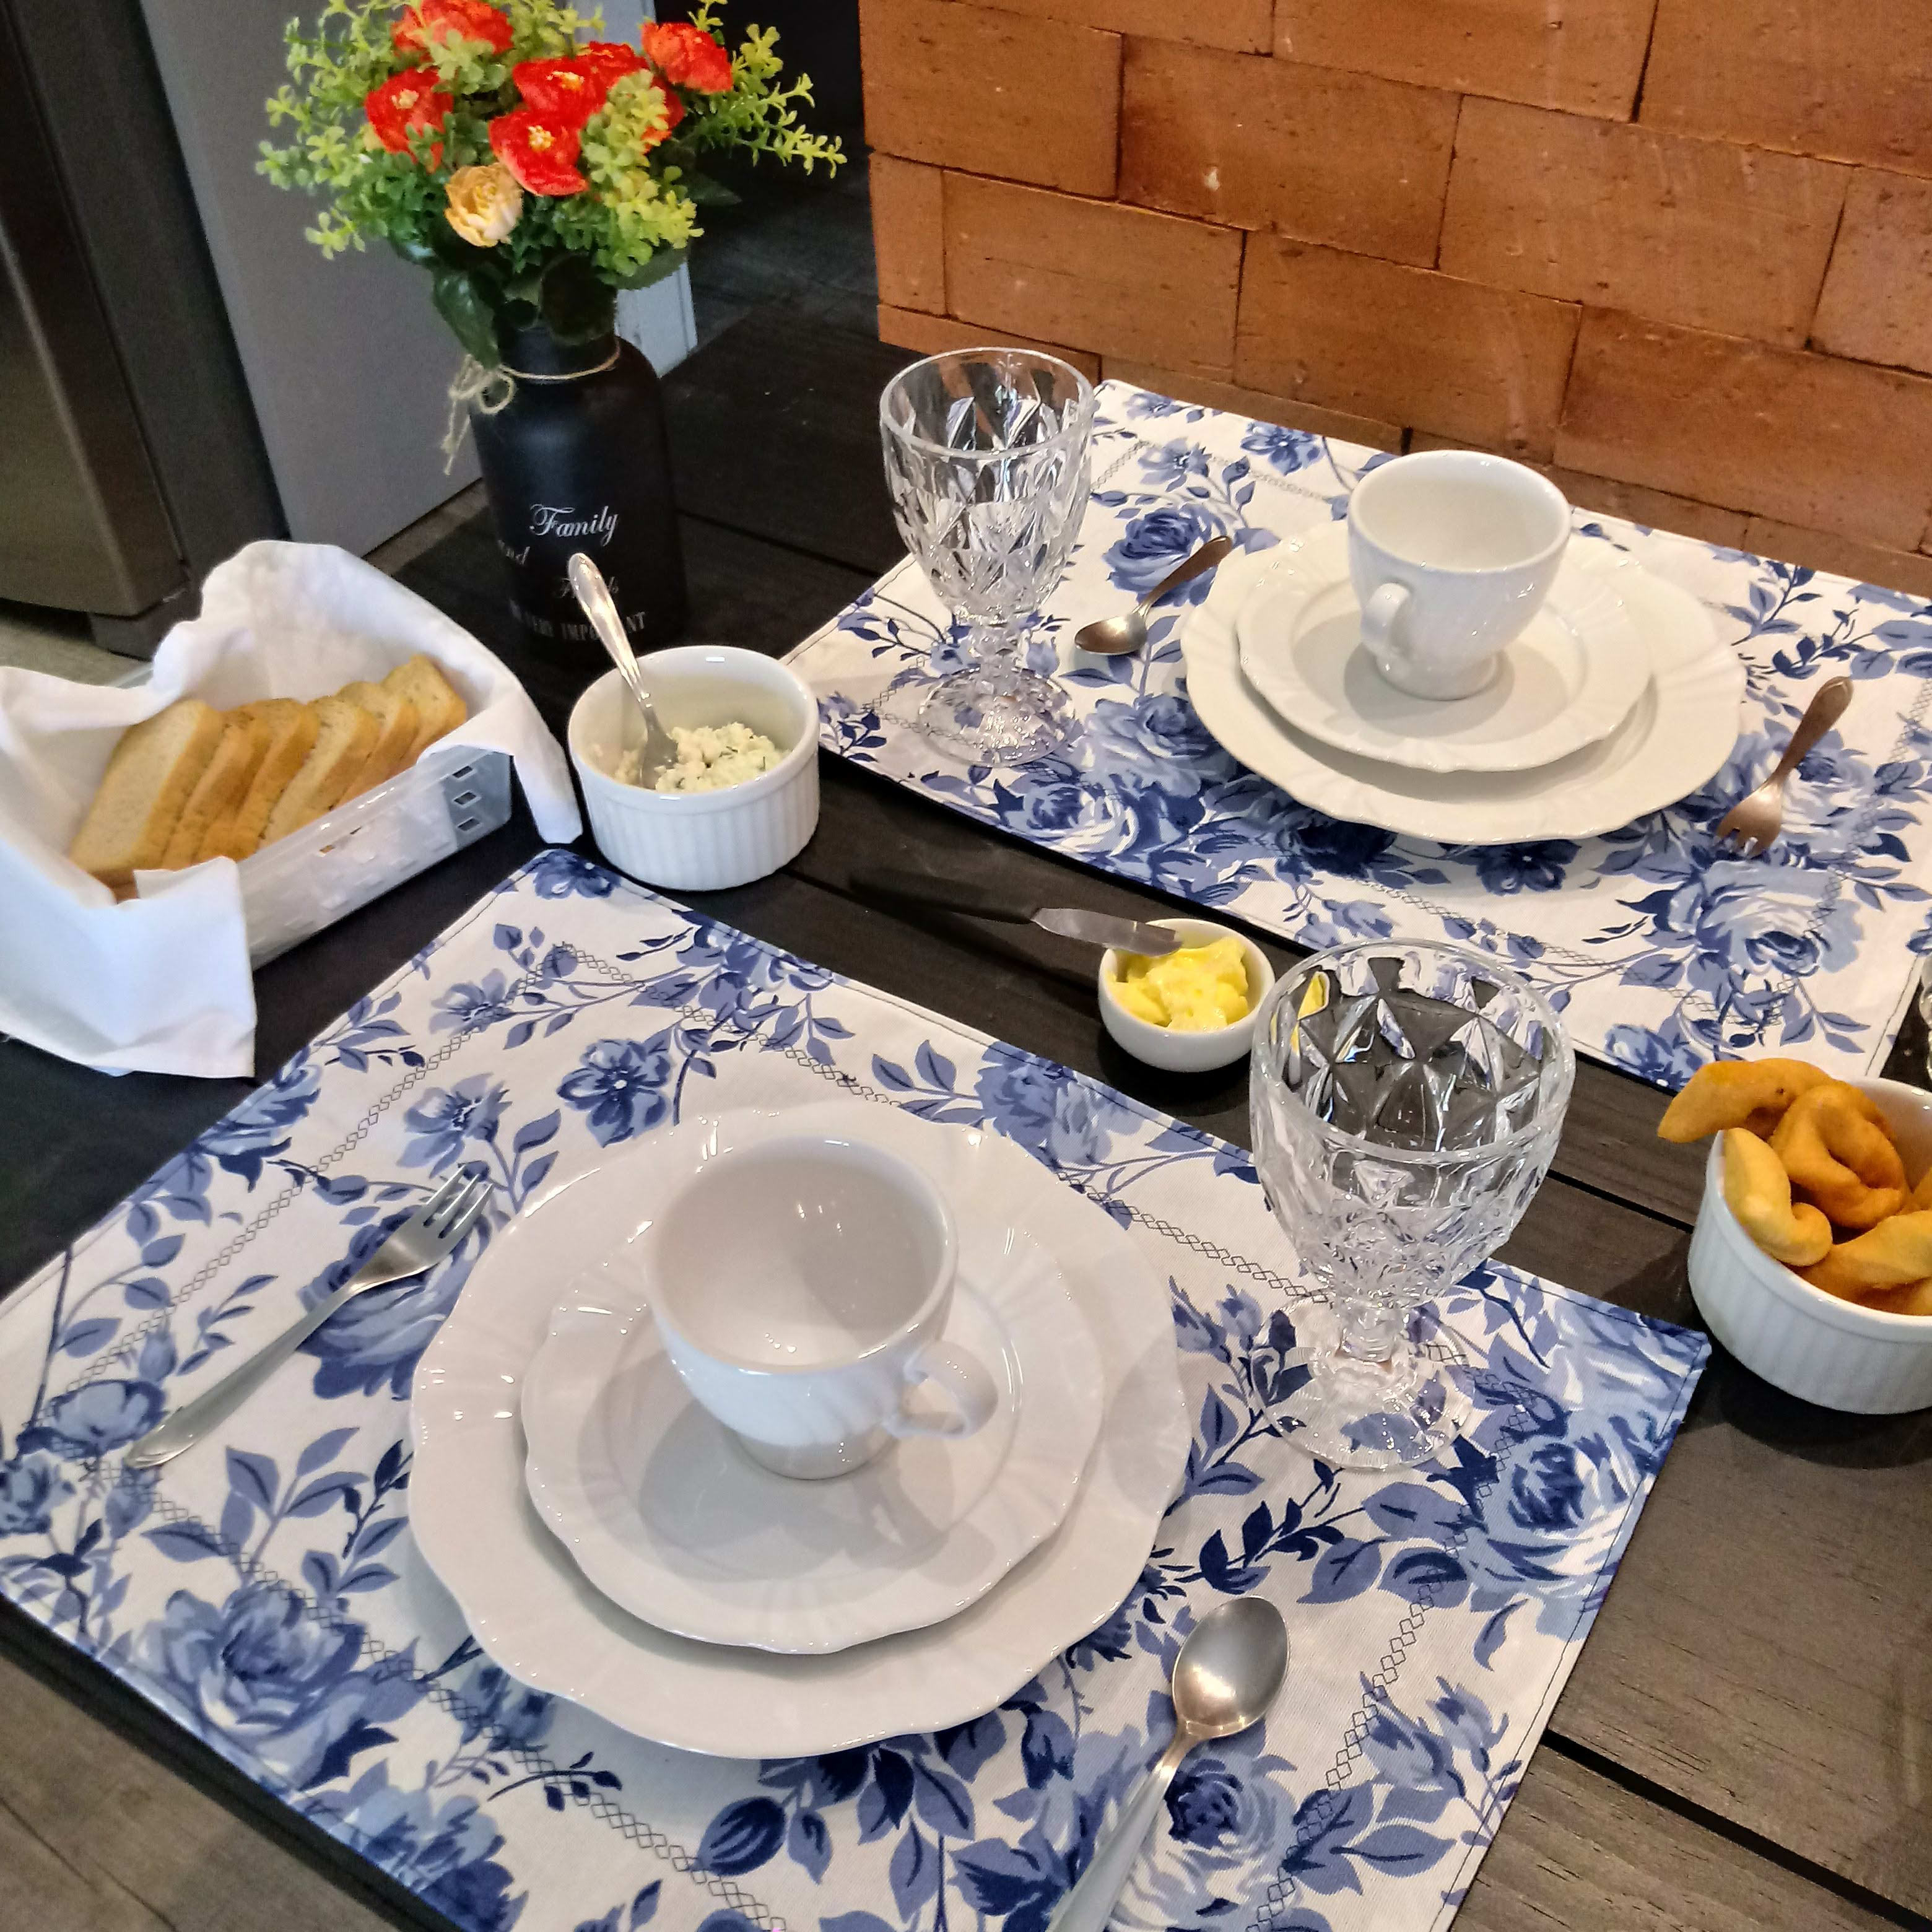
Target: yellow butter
(1197, 989)
(1140, 1002)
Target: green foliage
(758, 115)
(561, 262)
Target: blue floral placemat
(1661, 952)
(264, 1591)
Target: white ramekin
(1187, 1052)
(1799, 1339)
(701, 841)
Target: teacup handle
(965, 1381)
(1387, 602)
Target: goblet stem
(997, 709)
(1370, 1330)
(993, 646)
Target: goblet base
(1353, 1414)
(996, 716)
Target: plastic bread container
(330, 869)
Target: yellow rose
(484, 203)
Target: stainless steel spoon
(594, 594)
(1227, 1675)
(1109, 637)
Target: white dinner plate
(672, 1520)
(1568, 680)
(538, 1616)
(1677, 735)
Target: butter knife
(1097, 928)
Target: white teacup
(1451, 553)
(801, 1285)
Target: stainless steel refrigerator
(130, 457)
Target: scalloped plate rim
(1582, 603)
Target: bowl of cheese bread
(194, 783)
(1812, 1256)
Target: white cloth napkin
(160, 983)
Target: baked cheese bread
(292, 728)
(194, 783)
(345, 736)
(150, 778)
(397, 721)
(439, 707)
(220, 788)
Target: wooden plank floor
(1747, 1739)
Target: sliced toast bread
(345, 736)
(397, 721)
(221, 788)
(440, 707)
(292, 728)
(154, 770)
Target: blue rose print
(1230, 1816)
(1284, 450)
(1203, 1802)
(620, 1087)
(30, 1486)
(1067, 1121)
(95, 1418)
(481, 1003)
(1750, 921)
(1346, 851)
(512, 1717)
(263, 1669)
(376, 1341)
(1157, 739)
(444, 1120)
(442, 1848)
(1661, 1055)
(1539, 868)
(559, 873)
(1546, 1490)
(1155, 542)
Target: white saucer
(671, 1519)
(538, 1617)
(1677, 735)
(1568, 680)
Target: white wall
(347, 363)
(659, 319)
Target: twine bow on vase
(488, 391)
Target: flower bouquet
(536, 168)
(532, 168)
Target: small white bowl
(1812, 1345)
(1187, 1052)
(701, 841)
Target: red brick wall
(1677, 252)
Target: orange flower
(405, 105)
(687, 56)
(541, 153)
(567, 90)
(452, 19)
(609, 60)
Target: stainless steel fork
(419, 1244)
(1755, 822)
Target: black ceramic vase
(579, 459)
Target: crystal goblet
(986, 461)
(1406, 1101)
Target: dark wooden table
(1746, 1740)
